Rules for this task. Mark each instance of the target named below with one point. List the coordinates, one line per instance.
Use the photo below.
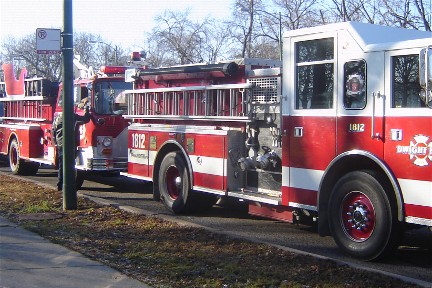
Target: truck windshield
(110, 97)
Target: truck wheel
(361, 218)
(30, 168)
(174, 183)
(79, 174)
(79, 179)
(15, 163)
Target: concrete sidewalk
(28, 260)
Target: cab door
(310, 127)
(408, 127)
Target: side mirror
(425, 75)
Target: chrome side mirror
(425, 75)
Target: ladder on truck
(32, 105)
(227, 102)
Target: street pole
(69, 192)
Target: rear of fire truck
(25, 124)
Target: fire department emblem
(419, 150)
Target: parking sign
(48, 41)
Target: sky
(118, 22)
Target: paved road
(413, 259)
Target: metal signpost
(48, 41)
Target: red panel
(285, 140)
(418, 211)
(354, 132)
(285, 195)
(161, 138)
(411, 157)
(317, 147)
(208, 181)
(138, 144)
(302, 196)
(209, 145)
(4, 136)
(112, 126)
(138, 169)
(35, 148)
(272, 212)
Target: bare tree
(256, 28)
(177, 40)
(217, 44)
(86, 50)
(352, 10)
(298, 13)
(422, 9)
(407, 14)
(23, 53)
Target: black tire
(15, 162)
(30, 168)
(361, 217)
(79, 179)
(17, 165)
(79, 174)
(174, 183)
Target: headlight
(107, 141)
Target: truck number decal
(138, 140)
(356, 127)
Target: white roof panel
(369, 36)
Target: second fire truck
(31, 105)
(342, 134)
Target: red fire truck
(30, 106)
(341, 135)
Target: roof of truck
(371, 36)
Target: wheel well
(355, 162)
(11, 138)
(163, 151)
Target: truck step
(42, 161)
(256, 196)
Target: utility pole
(69, 192)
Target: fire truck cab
(340, 134)
(102, 142)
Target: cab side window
(405, 82)
(355, 84)
(315, 74)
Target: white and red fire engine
(30, 105)
(342, 134)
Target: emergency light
(113, 69)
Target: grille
(266, 90)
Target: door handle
(374, 135)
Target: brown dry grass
(163, 254)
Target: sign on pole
(48, 41)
